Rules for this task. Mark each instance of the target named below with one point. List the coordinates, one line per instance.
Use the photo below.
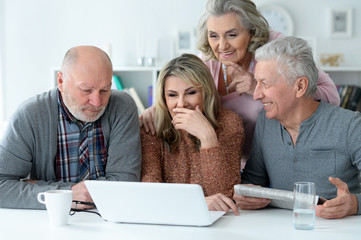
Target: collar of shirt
(66, 113)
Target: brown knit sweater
(216, 169)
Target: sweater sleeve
(326, 89)
(26, 151)
(121, 129)
(151, 157)
(220, 166)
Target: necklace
(224, 67)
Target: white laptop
(152, 203)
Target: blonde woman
(197, 141)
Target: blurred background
(35, 34)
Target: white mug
(58, 204)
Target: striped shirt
(81, 152)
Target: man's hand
(344, 204)
(250, 203)
(80, 193)
(219, 202)
(30, 181)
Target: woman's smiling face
(179, 94)
(228, 38)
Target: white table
(258, 224)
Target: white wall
(35, 34)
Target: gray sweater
(328, 144)
(29, 146)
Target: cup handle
(41, 196)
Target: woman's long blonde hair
(194, 72)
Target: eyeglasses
(83, 203)
(75, 209)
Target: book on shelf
(117, 83)
(339, 89)
(347, 96)
(350, 97)
(279, 198)
(342, 94)
(358, 108)
(133, 93)
(354, 99)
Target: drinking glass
(304, 205)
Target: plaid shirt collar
(66, 113)
(68, 116)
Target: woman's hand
(146, 119)
(219, 202)
(196, 124)
(242, 80)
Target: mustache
(92, 108)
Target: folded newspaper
(279, 198)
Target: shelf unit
(344, 75)
(141, 78)
(138, 77)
